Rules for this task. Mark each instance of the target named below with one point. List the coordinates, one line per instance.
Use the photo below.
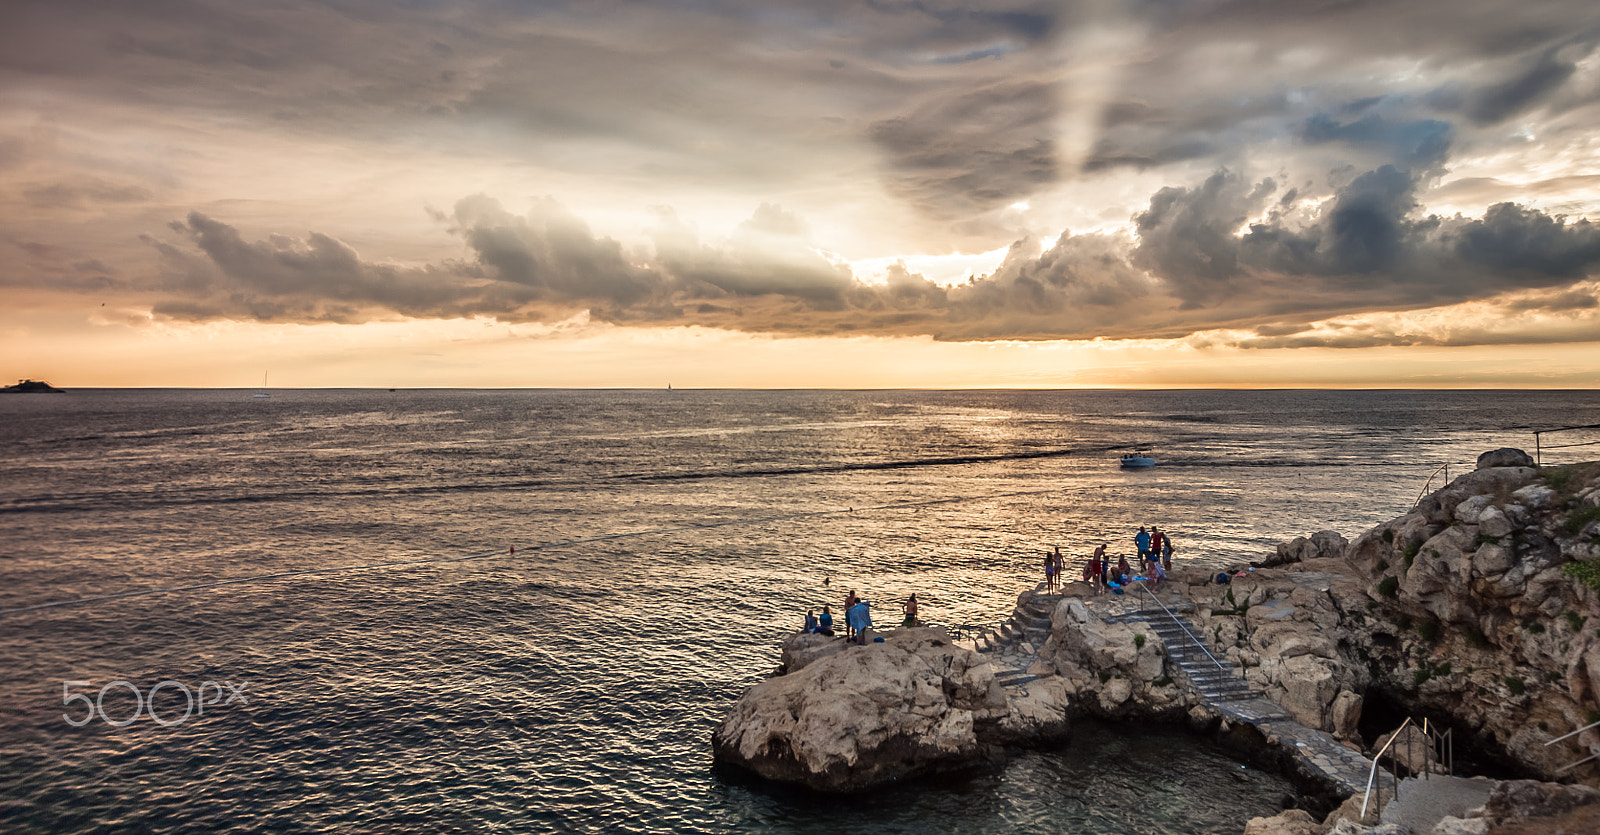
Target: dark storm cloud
(961, 100)
(1195, 262)
(1517, 242)
(1527, 87)
(956, 109)
(974, 152)
(1422, 144)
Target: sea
(526, 610)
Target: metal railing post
(1373, 775)
(1197, 642)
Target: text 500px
(193, 704)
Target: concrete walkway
(1424, 802)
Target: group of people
(857, 618)
(1155, 550)
(1155, 560)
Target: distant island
(31, 386)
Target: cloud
(1254, 166)
(1421, 143)
(83, 194)
(1194, 261)
(968, 154)
(1528, 86)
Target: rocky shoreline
(1479, 610)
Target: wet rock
(1287, 822)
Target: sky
(752, 193)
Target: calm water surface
(664, 542)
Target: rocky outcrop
(845, 718)
(1322, 544)
(1112, 669)
(1516, 800)
(1504, 457)
(1480, 608)
(1477, 610)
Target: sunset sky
(800, 194)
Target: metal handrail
(1574, 733)
(1429, 483)
(1197, 641)
(1374, 773)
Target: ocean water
(525, 611)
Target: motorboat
(1137, 461)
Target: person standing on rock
(850, 601)
(1141, 540)
(1166, 553)
(1097, 569)
(1105, 565)
(860, 620)
(910, 608)
(1049, 572)
(1158, 541)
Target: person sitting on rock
(811, 622)
(1124, 573)
(825, 622)
(910, 608)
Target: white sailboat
(263, 385)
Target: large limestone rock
(1114, 669)
(1469, 613)
(1504, 457)
(804, 648)
(1514, 800)
(869, 714)
(1321, 545)
(1285, 632)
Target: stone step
(1014, 678)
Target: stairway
(1026, 629)
(1217, 684)
(1013, 648)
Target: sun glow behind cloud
(923, 195)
